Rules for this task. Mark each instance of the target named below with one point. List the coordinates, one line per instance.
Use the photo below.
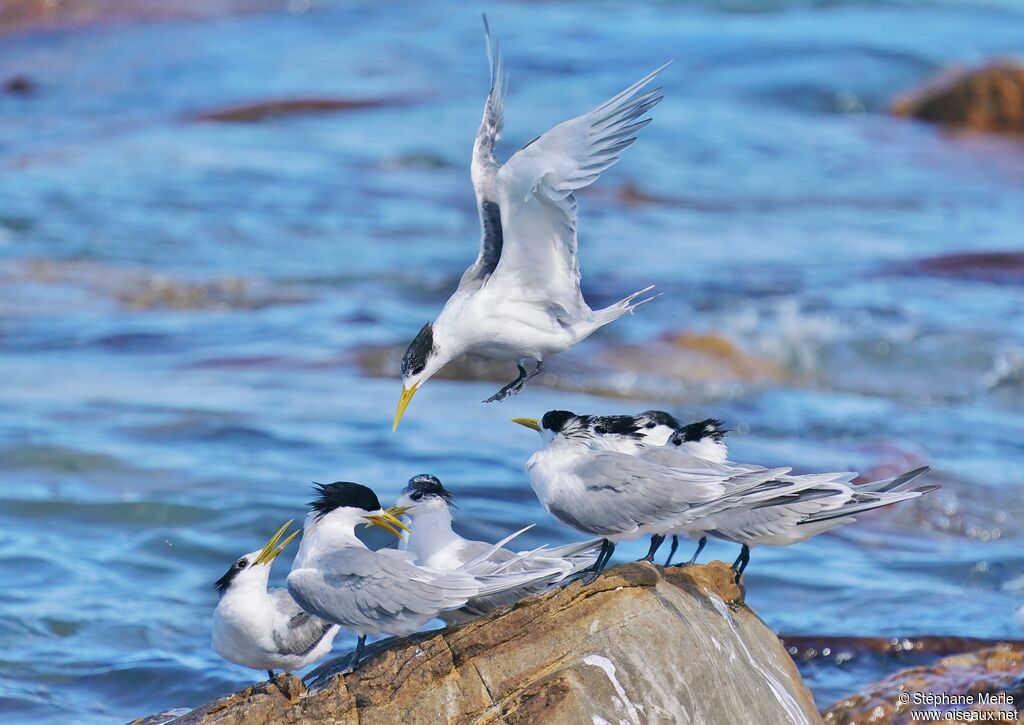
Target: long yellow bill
(387, 522)
(403, 403)
(271, 549)
(529, 423)
(397, 510)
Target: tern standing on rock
(427, 505)
(264, 628)
(780, 512)
(520, 300)
(337, 578)
(619, 496)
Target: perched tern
(264, 628)
(337, 578)
(520, 300)
(619, 496)
(780, 512)
(427, 506)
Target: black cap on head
(343, 494)
(555, 420)
(421, 347)
(660, 417)
(710, 428)
(424, 484)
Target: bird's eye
(416, 496)
(677, 441)
(649, 426)
(241, 564)
(601, 430)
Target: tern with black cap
(428, 507)
(520, 300)
(337, 578)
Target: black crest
(424, 484)
(660, 417)
(710, 428)
(421, 347)
(343, 494)
(555, 420)
(622, 425)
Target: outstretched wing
(368, 590)
(484, 169)
(535, 193)
(296, 632)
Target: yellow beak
(398, 510)
(403, 403)
(271, 549)
(387, 522)
(528, 422)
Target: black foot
(270, 675)
(516, 385)
(700, 547)
(607, 547)
(740, 565)
(656, 541)
(672, 551)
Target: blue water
(186, 307)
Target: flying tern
(521, 300)
(337, 578)
(427, 506)
(264, 628)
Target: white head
(704, 439)
(424, 496)
(341, 506)
(252, 571)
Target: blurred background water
(199, 318)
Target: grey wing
(484, 170)
(624, 492)
(367, 589)
(536, 193)
(297, 632)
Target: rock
(641, 644)
(263, 110)
(19, 86)
(998, 267)
(991, 677)
(987, 99)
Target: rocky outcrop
(989, 99)
(639, 645)
(982, 686)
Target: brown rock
(263, 110)
(987, 99)
(641, 644)
(990, 677)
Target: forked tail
(624, 306)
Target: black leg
(700, 547)
(656, 541)
(512, 388)
(270, 674)
(740, 565)
(607, 547)
(536, 371)
(360, 646)
(672, 551)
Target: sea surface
(200, 318)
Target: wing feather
(536, 199)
